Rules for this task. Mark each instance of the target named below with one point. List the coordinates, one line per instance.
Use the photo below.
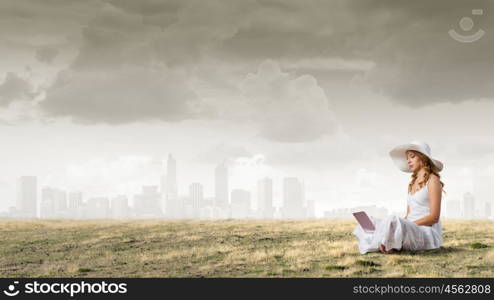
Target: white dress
(400, 233)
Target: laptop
(364, 221)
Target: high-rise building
(120, 207)
(468, 207)
(173, 207)
(293, 198)
(61, 202)
(47, 205)
(221, 186)
(53, 203)
(27, 196)
(240, 204)
(75, 200)
(75, 204)
(163, 187)
(265, 197)
(147, 203)
(196, 196)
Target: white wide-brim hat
(399, 156)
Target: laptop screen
(364, 220)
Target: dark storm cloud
(15, 88)
(132, 94)
(417, 62)
(152, 12)
(28, 18)
(113, 79)
(46, 54)
(414, 60)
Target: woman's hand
(425, 221)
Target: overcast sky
(94, 94)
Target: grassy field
(230, 248)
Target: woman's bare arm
(435, 203)
(408, 211)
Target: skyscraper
(147, 203)
(75, 200)
(172, 203)
(196, 197)
(120, 207)
(265, 197)
(27, 196)
(54, 203)
(75, 203)
(60, 201)
(163, 188)
(221, 186)
(47, 205)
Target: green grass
(336, 267)
(84, 270)
(367, 263)
(478, 245)
(230, 248)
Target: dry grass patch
(229, 248)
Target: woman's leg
(391, 237)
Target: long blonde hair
(429, 169)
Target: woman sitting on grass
(420, 229)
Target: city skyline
(161, 201)
(165, 201)
(93, 98)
